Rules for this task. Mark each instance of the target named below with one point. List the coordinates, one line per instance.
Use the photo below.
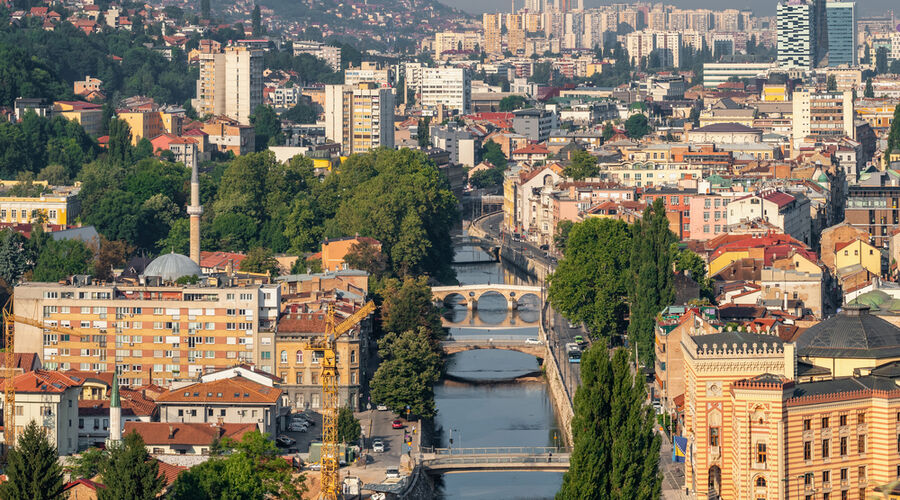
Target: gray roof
(845, 384)
(172, 266)
(853, 333)
(728, 338)
(727, 127)
(86, 234)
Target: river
(478, 407)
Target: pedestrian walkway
(672, 473)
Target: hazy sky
(764, 7)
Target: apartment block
(148, 333)
(842, 34)
(89, 115)
(50, 399)
(230, 83)
(359, 118)
(447, 87)
(822, 115)
(327, 53)
(493, 40)
(796, 27)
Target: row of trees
(611, 269)
(248, 469)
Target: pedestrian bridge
(448, 460)
(455, 346)
(473, 293)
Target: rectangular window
(760, 453)
(825, 448)
(861, 443)
(861, 471)
(826, 476)
(807, 425)
(844, 446)
(714, 436)
(844, 474)
(824, 422)
(843, 420)
(860, 418)
(807, 450)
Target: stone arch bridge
(472, 293)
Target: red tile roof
(532, 149)
(21, 360)
(175, 433)
(230, 390)
(170, 472)
(87, 482)
(216, 260)
(44, 382)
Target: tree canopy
(582, 165)
(637, 126)
(616, 452)
(130, 472)
(32, 469)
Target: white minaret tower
(194, 210)
(115, 413)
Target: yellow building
(877, 113)
(89, 115)
(775, 93)
(61, 206)
(858, 252)
(754, 431)
(300, 369)
(150, 124)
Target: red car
(397, 424)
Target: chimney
(171, 432)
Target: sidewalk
(672, 473)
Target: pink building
(708, 216)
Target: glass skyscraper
(841, 20)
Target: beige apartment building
(359, 117)
(148, 333)
(823, 115)
(230, 83)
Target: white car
(296, 427)
(533, 341)
(381, 407)
(378, 446)
(392, 473)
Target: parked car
(285, 441)
(579, 339)
(314, 466)
(298, 427)
(397, 424)
(533, 341)
(381, 407)
(377, 446)
(392, 473)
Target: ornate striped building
(755, 432)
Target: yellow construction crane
(9, 390)
(323, 349)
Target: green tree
(831, 83)
(110, 255)
(486, 178)
(267, 126)
(60, 259)
(422, 132)
(366, 256)
(91, 462)
(651, 274)
(893, 142)
(119, 145)
(608, 131)
(492, 153)
(260, 260)
(130, 472)
(406, 305)
(256, 21)
(411, 366)
(881, 60)
(301, 113)
(249, 469)
(561, 238)
(16, 256)
(512, 103)
(582, 165)
(592, 279)
(637, 126)
(869, 92)
(616, 452)
(686, 260)
(32, 469)
(348, 427)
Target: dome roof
(854, 333)
(172, 266)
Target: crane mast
(325, 347)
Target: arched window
(284, 356)
(761, 482)
(300, 357)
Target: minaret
(194, 210)
(115, 413)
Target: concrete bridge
(445, 460)
(455, 346)
(472, 293)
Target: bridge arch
(473, 293)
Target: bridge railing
(497, 450)
(498, 460)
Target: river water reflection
(487, 411)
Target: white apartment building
(51, 399)
(825, 115)
(283, 97)
(331, 55)
(445, 41)
(449, 87)
(359, 117)
(368, 72)
(788, 212)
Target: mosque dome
(172, 266)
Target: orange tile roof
(532, 149)
(220, 259)
(43, 381)
(156, 433)
(229, 390)
(170, 472)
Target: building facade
(447, 87)
(796, 27)
(822, 115)
(359, 117)
(842, 36)
(230, 83)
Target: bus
(574, 353)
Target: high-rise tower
(194, 210)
